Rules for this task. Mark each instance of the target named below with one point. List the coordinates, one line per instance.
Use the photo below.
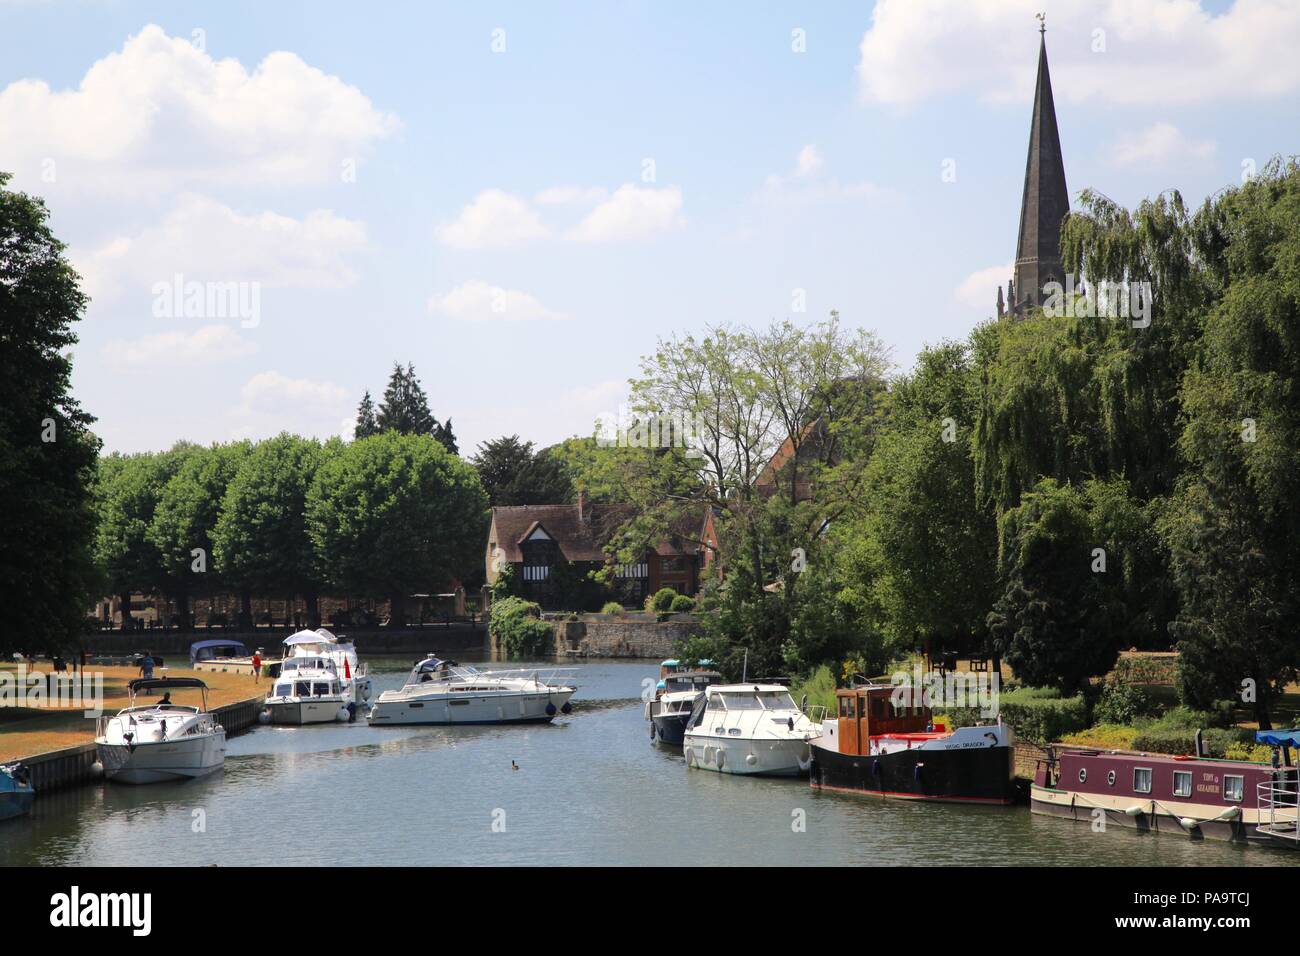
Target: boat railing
(1277, 802)
(817, 713)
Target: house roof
(579, 538)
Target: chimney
(582, 505)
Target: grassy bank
(27, 731)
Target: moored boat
(1187, 795)
(320, 680)
(16, 791)
(445, 693)
(748, 729)
(675, 697)
(163, 741)
(884, 742)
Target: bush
(1042, 715)
(518, 626)
(682, 604)
(661, 601)
(1124, 703)
(613, 607)
(820, 688)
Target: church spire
(1046, 199)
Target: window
(1141, 779)
(1182, 783)
(1234, 788)
(1110, 778)
(1083, 774)
(283, 690)
(539, 572)
(846, 707)
(776, 700)
(303, 688)
(634, 571)
(320, 690)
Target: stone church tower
(1044, 204)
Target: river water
(591, 789)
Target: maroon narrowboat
(1197, 797)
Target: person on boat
(166, 699)
(257, 666)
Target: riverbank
(27, 733)
(456, 638)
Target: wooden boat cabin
(879, 710)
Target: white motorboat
(320, 680)
(444, 692)
(748, 729)
(152, 743)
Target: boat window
(847, 707)
(1182, 783)
(321, 689)
(1141, 779)
(716, 703)
(776, 700)
(283, 690)
(1233, 788)
(1110, 778)
(743, 702)
(289, 666)
(303, 688)
(1083, 774)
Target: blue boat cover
(1278, 738)
(429, 664)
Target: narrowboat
(884, 742)
(1199, 797)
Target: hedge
(1042, 715)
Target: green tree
(260, 539)
(187, 511)
(935, 573)
(392, 515)
(47, 452)
(513, 473)
(127, 493)
(367, 421)
(405, 409)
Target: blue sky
(503, 230)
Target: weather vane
(1042, 21)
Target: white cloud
(209, 344)
(632, 212)
(477, 301)
(810, 161)
(806, 184)
(1156, 51)
(564, 195)
(161, 114)
(1159, 145)
(204, 240)
(979, 290)
(271, 402)
(494, 218)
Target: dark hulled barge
(1193, 796)
(884, 742)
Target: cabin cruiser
(320, 680)
(675, 697)
(884, 742)
(16, 791)
(151, 743)
(748, 729)
(444, 692)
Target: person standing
(257, 666)
(146, 666)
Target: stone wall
(599, 636)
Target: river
(591, 789)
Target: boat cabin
(306, 688)
(876, 710)
(216, 650)
(689, 681)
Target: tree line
(1049, 490)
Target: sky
(521, 199)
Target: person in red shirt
(257, 666)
